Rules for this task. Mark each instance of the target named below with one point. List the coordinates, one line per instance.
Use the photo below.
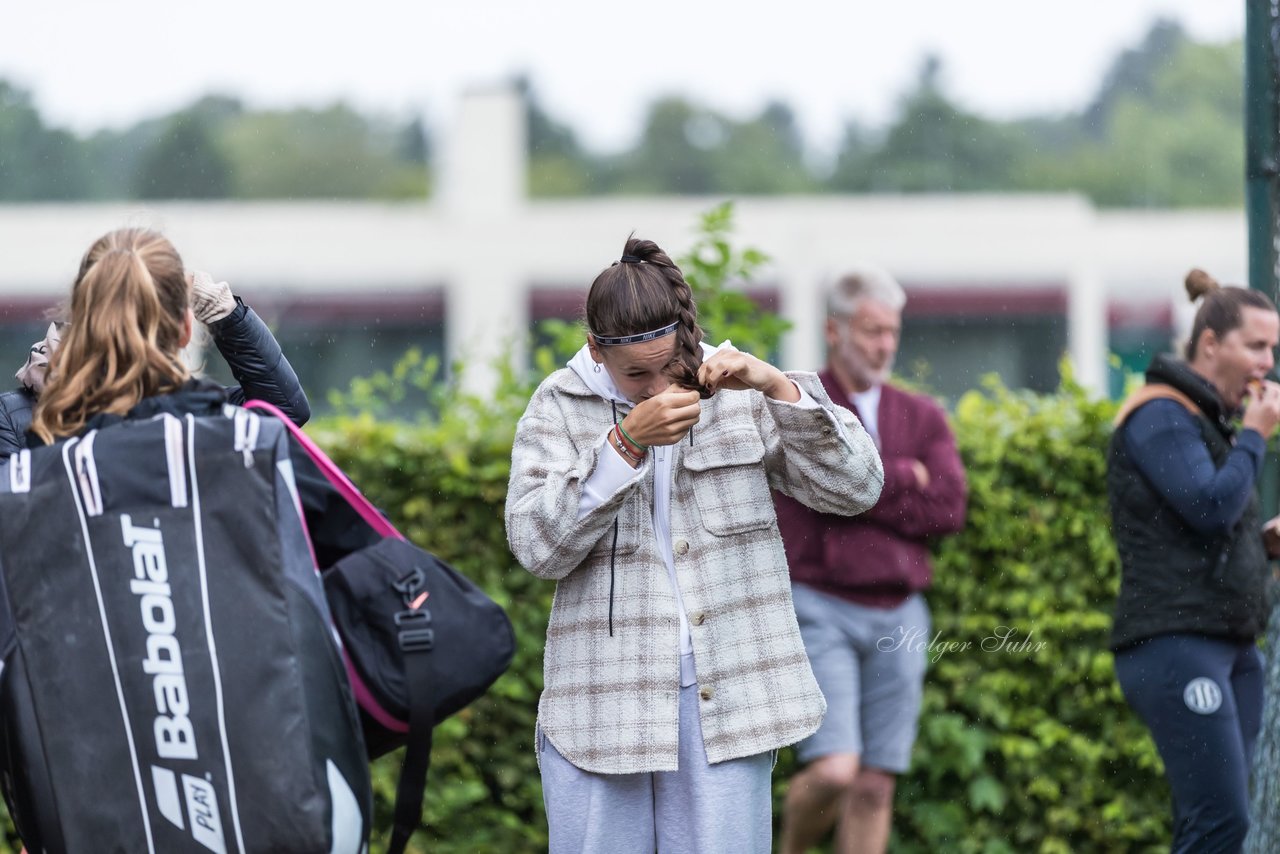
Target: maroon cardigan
(882, 556)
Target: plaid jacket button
(705, 693)
(682, 547)
(699, 618)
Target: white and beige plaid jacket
(610, 704)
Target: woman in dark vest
(1193, 592)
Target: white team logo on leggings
(1202, 695)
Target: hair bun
(643, 250)
(1199, 284)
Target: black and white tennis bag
(171, 681)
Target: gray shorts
(873, 686)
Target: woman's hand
(733, 369)
(210, 301)
(1271, 537)
(665, 418)
(1262, 413)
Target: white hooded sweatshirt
(612, 472)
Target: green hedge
(1025, 742)
(444, 484)
(1020, 749)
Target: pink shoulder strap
(332, 473)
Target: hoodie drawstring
(613, 550)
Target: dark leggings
(1201, 697)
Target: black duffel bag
(420, 640)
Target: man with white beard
(857, 581)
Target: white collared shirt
(867, 404)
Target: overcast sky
(595, 64)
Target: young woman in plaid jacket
(640, 483)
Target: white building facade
(995, 282)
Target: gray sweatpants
(698, 809)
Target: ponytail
(128, 310)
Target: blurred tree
(115, 157)
(36, 162)
(690, 149)
(1164, 130)
(1134, 72)
(546, 134)
(1176, 139)
(763, 155)
(333, 152)
(184, 163)
(676, 152)
(933, 146)
(415, 144)
(558, 165)
(850, 173)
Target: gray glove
(210, 301)
(32, 375)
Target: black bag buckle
(417, 640)
(415, 633)
(410, 583)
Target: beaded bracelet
(636, 449)
(627, 436)
(621, 445)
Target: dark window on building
(1136, 333)
(952, 338)
(330, 341)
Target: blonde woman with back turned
(231, 600)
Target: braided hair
(646, 291)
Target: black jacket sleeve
(256, 361)
(15, 418)
(336, 529)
